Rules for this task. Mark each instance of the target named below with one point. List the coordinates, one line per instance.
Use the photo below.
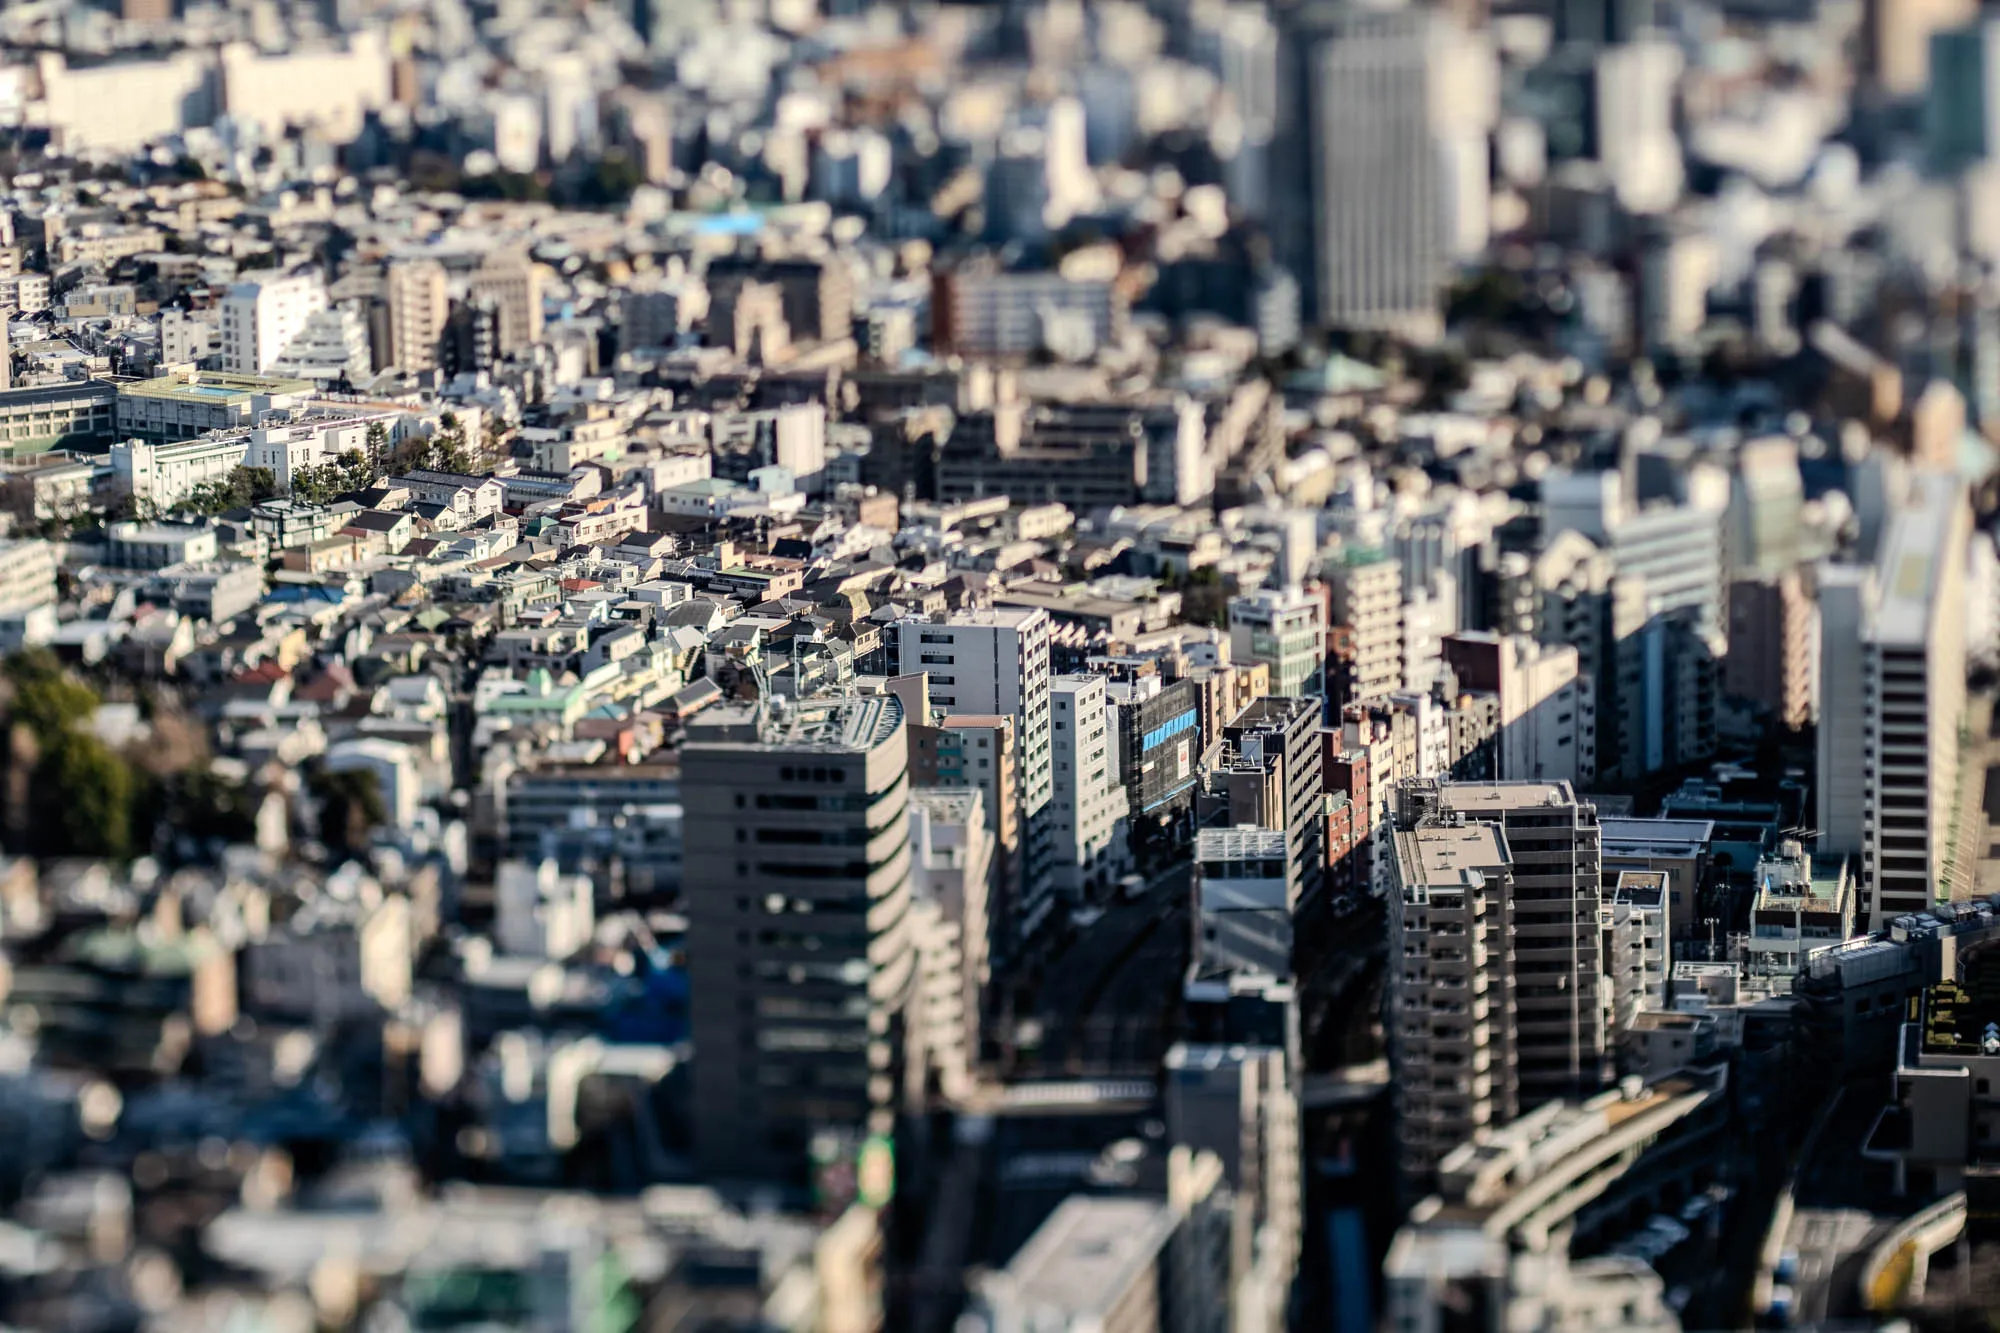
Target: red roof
(266, 672)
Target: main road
(1105, 995)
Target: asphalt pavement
(1108, 993)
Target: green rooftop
(208, 386)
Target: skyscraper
(1449, 920)
(1896, 40)
(1367, 588)
(1906, 686)
(1379, 177)
(512, 283)
(978, 751)
(1961, 110)
(1274, 744)
(800, 962)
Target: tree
(85, 794)
(447, 452)
(351, 471)
(80, 793)
(496, 438)
(350, 808)
(243, 486)
(201, 803)
(47, 698)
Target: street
(1107, 995)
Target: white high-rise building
(1395, 102)
(997, 662)
(1089, 806)
(261, 319)
(1890, 713)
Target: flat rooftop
(1443, 856)
(1506, 795)
(1644, 888)
(1913, 552)
(1238, 844)
(853, 725)
(208, 386)
(1654, 837)
(1082, 1261)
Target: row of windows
(787, 773)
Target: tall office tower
(1040, 177)
(798, 867)
(1961, 110)
(1909, 693)
(1379, 176)
(1551, 963)
(973, 750)
(1547, 710)
(419, 304)
(997, 662)
(1285, 629)
(512, 282)
(1273, 756)
(1766, 498)
(1429, 613)
(1773, 633)
(1239, 44)
(1896, 40)
(1156, 745)
(1367, 589)
(1637, 142)
(1243, 888)
(1087, 809)
(261, 318)
(1842, 784)
(1450, 1038)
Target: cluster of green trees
(316, 485)
(78, 793)
(243, 486)
(446, 451)
(68, 793)
(605, 182)
(350, 808)
(71, 794)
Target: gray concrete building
(1498, 994)
(800, 959)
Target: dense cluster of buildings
(1162, 665)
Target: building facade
(798, 862)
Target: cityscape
(999, 666)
